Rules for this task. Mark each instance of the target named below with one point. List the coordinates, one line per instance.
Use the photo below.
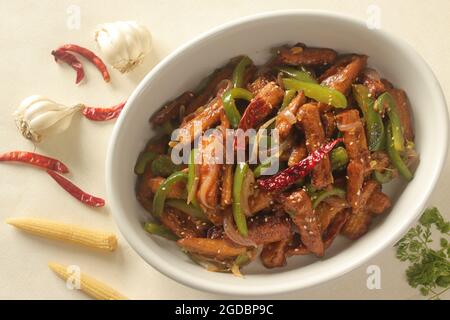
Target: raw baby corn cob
(66, 232)
(88, 285)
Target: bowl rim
(187, 279)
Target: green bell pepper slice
(189, 209)
(160, 230)
(319, 197)
(394, 155)
(229, 104)
(374, 122)
(382, 177)
(163, 166)
(288, 96)
(239, 71)
(339, 158)
(143, 160)
(317, 92)
(160, 196)
(397, 130)
(301, 75)
(238, 213)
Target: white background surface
(29, 30)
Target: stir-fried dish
(342, 131)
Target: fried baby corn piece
(209, 91)
(261, 106)
(210, 170)
(260, 82)
(88, 285)
(66, 232)
(355, 140)
(335, 227)
(298, 153)
(371, 79)
(355, 181)
(267, 229)
(329, 123)
(176, 191)
(404, 112)
(343, 79)
(213, 248)
(273, 255)
(260, 200)
(338, 65)
(182, 224)
(205, 118)
(172, 109)
(298, 205)
(286, 118)
(302, 55)
(378, 202)
(315, 138)
(227, 169)
(359, 220)
(328, 236)
(328, 210)
(227, 185)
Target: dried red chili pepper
(76, 192)
(35, 159)
(72, 61)
(88, 54)
(287, 177)
(103, 114)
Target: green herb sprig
(430, 268)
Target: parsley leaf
(429, 269)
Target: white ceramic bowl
(254, 36)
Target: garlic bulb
(124, 44)
(38, 116)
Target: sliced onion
(258, 135)
(233, 234)
(247, 191)
(349, 126)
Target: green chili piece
(191, 210)
(301, 75)
(143, 160)
(288, 96)
(374, 122)
(238, 213)
(394, 155)
(229, 104)
(339, 158)
(239, 71)
(382, 177)
(163, 166)
(319, 197)
(397, 130)
(160, 230)
(159, 198)
(317, 92)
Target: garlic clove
(37, 117)
(124, 44)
